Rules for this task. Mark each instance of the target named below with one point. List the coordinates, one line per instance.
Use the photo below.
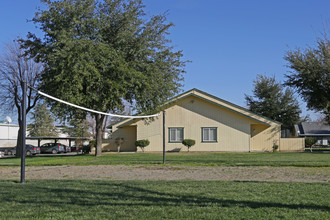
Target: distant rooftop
(10, 125)
(313, 129)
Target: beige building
(215, 125)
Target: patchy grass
(187, 159)
(73, 199)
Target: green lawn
(73, 199)
(96, 199)
(189, 159)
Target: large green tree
(311, 75)
(78, 128)
(43, 122)
(270, 99)
(98, 53)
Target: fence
(292, 144)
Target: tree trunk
(99, 122)
(19, 139)
(18, 143)
(104, 127)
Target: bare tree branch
(15, 68)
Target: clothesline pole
(163, 137)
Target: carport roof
(57, 138)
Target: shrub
(86, 149)
(188, 143)
(275, 147)
(309, 141)
(92, 143)
(142, 144)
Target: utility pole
(164, 137)
(23, 133)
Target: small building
(215, 125)
(318, 130)
(8, 134)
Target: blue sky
(228, 42)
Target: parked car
(32, 149)
(29, 150)
(53, 148)
(67, 148)
(10, 151)
(76, 148)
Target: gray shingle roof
(313, 129)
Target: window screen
(175, 134)
(209, 134)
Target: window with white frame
(175, 134)
(209, 134)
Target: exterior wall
(321, 140)
(238, 130)
(233, 130)
(143, 129)
(192, 114)
(264, 137)
(226, 105)
(153, 131)
(8, 135)
(292, 144)
(129, 135)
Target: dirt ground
(121, 172)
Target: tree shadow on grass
(130, 194)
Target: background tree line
(309, 77)
(272, 100)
